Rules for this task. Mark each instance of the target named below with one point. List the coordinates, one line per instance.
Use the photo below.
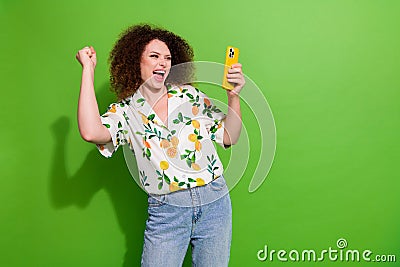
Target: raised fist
(87, 56)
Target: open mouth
(159, 74)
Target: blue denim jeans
(200, 216)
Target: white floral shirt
(170, 157)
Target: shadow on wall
(96, 173)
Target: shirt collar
(142, 106)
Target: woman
(170, 126)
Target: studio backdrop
(313, 178)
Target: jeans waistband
(196, 196)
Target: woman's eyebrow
(159, 53)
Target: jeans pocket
(218, 184)
(156, 200)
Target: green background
(329, 70)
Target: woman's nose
(163, 62)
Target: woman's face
(155, 64)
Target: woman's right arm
(89, 123)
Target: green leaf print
(148, 153)
(126, 117)
(180, 117)
(158, 134)
(166, 178)
(119, 124)
(139, 101)
(151, 117)
(189, 162)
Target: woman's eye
(156, 56)
(168, 58)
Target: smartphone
(231, 57)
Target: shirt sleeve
(214, 118)
(116, 124)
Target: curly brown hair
(125, 57)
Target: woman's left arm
(233, 120)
